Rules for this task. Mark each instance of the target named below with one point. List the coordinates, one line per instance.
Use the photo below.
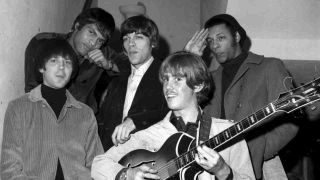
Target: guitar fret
(185, 159)
(233, 130)
(221, 138)
(209, 144)
(181, 163)
(193, 153)
(189, 157)
(252, 119)
(226, 134)
(260, 115)
(239, 127)
(216, 141)
(245, 123)
(268, 110)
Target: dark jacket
(258, 82)
(148, 106)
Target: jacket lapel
(146, 82)
(247, 64)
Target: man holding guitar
(171, 146)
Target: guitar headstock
(298, 97)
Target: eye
(52, 60)
(100, 42)
(139, 36)
(125, 38)
(165, 79)
(209, 40)
(178, 78)
(220, 38)
(91, 31)
(68, 62)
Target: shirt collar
(35, 95)
(142, 69)
(178, 122)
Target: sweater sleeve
(11, 156)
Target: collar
(237, 61)
(142, 69)
(35, 95)
(178, 122)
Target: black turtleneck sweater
(56, 98)
(230, 69)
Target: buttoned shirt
(106, 166)
(34, 139)
(133, 83)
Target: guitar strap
(205, 127)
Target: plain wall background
(279, 28)
(20, 21)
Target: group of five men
(51, 132)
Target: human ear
(198, 88)
(238, 37)
(76, 26)
(41, 70)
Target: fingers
(202, 35)
(120, 135)
(197, 43)
(148, 173)
(206, 157)
(96, 56)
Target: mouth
(86, 48)
(219, 54)
(170, 94)
(60, 76)
(133, 52)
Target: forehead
(131, 34)
(218, 29)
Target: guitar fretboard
(227, 134)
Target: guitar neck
(228, 134)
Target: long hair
(143, 25)
(102, 19)
(192, 67)
(49, 48)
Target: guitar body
(164, 159)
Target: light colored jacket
(106, 166)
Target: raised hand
(96, 56)
(197, 43)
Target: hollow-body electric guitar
(175, 159)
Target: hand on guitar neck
(212, 162)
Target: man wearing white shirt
(134, 101)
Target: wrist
(110, 65)
(225, 173)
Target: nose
(131, 42)
(93, 42)
(168, 85)
(62, 65)
(215, 44)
